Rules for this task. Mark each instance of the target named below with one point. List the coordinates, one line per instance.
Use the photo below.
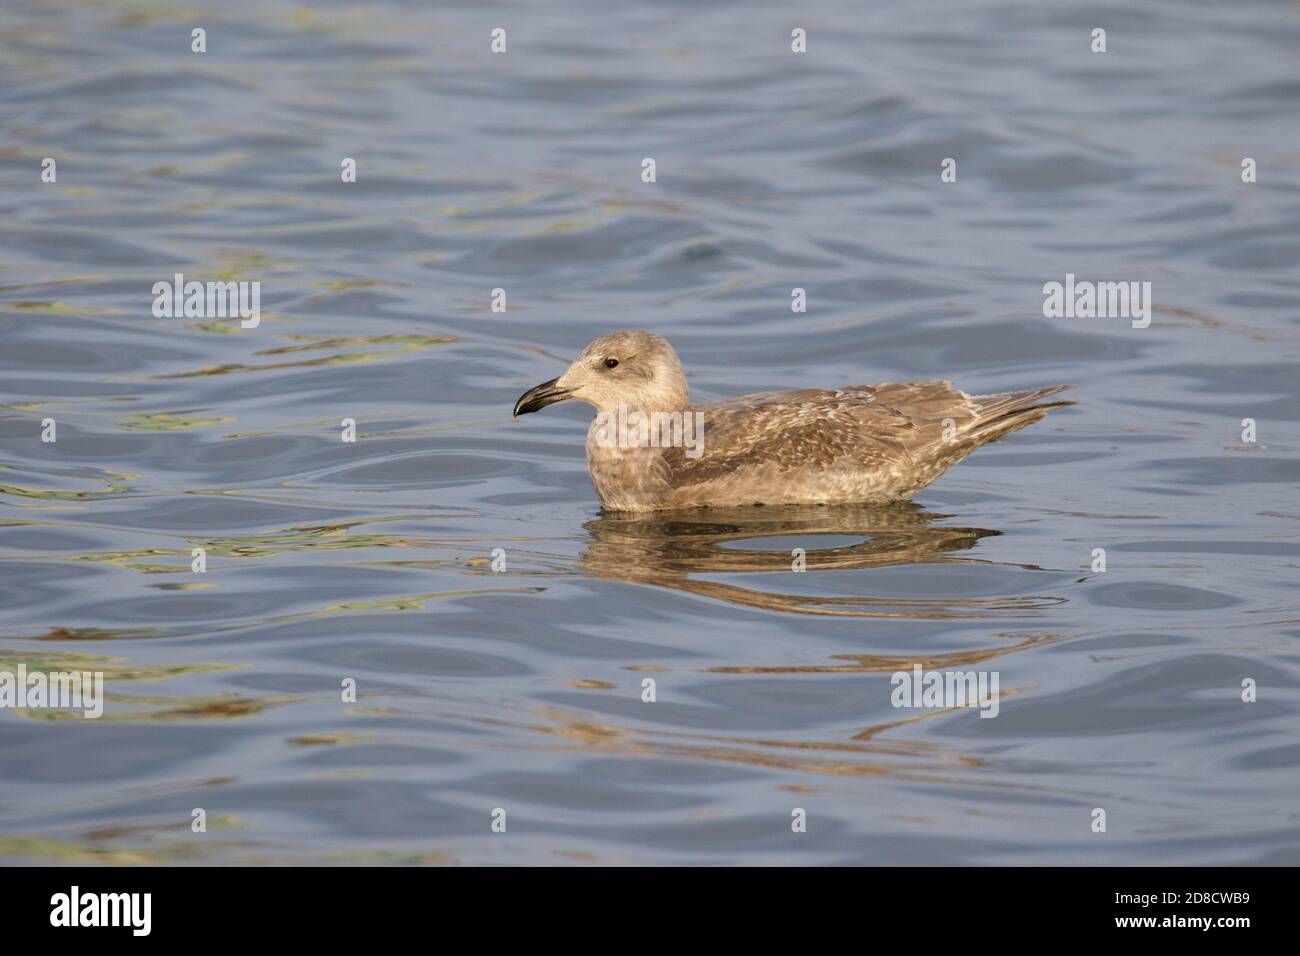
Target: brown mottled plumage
(860, 443)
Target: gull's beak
(538, 397)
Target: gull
(650, 449)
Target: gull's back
(858, 443)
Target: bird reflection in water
(690, 550)
(674, 549)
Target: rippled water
(522, 689)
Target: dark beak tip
(539, 397)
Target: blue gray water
(521, 689)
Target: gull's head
(638, 370)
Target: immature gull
(649, 449)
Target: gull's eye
(611, 363)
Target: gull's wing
(781, 432)
(909, 432)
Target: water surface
(521, 689)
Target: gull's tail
(1006, 412)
